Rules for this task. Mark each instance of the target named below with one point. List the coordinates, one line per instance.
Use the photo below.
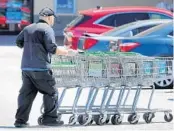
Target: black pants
(34, 81)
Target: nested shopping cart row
(113, 74)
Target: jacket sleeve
(20, 39)
(50, 42)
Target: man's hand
(72, 52)
(63, 50)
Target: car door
(169, 43)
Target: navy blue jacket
(38, 41)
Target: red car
(100, 20)
(26, 12)
(2, 13)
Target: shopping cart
(139, 71)
(109, 72)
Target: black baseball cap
(47, 12)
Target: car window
(156, 28)
(112, 32)
(79, 20)
(141, 29)
(109, 21)
(2, 12)
(126, 34)
(118, 32)
(158, 16)
(121, 19)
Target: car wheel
(164, 84)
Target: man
(39, 44)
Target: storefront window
(15, 15)
(65, 6)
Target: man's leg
(45, 83)
(26, 97)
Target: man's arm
(50, 44)
(20, 39)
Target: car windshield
(109, 33)
(149, 31)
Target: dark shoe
(53, 123)
(21, 124)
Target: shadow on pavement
(75, 126)
(66, 125)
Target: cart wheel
(90, 123)
(148, 117)
(133, 118)
(99, 120)
(116, 119)
(168, 117)
(59, 117)
(85, 119)
(72, 120)
(107, 120)
(39, 120)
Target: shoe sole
(20, 126)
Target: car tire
(167, 83)
(164, 85)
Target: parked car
(158, 38)
(94, 42)
(157, 41)
(26, 17)
(100, 20)
(2, 14)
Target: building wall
(93, 3)
(86, 4)
(39, 4)
(63, 19)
